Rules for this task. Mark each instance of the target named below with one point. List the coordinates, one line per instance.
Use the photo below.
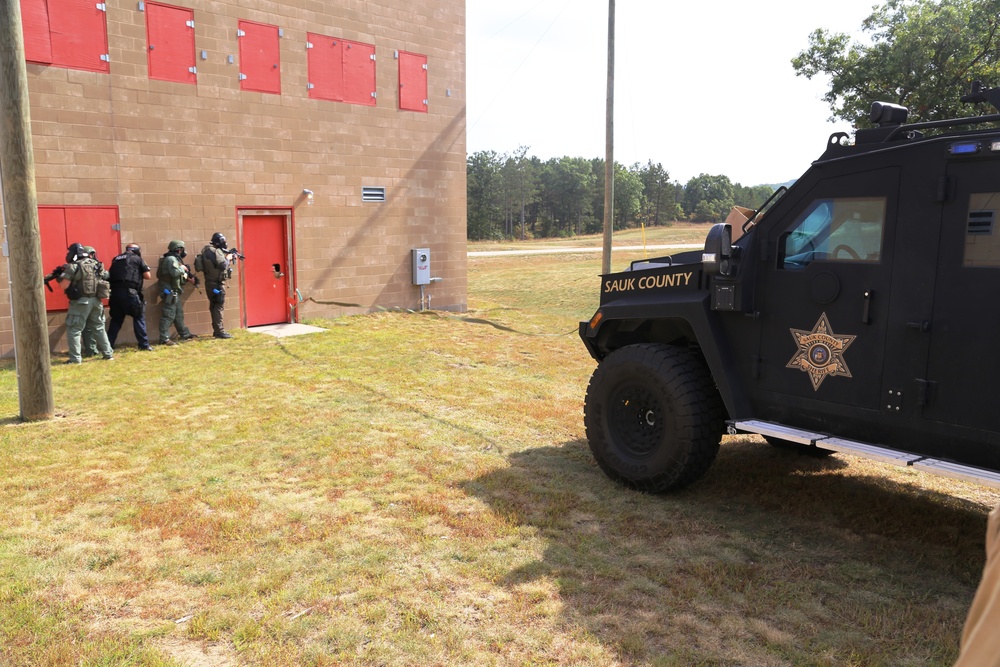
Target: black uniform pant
(216, 305)
(129, 302)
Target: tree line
(517, 196)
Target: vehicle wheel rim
(635, 419)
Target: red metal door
(52, 229)
(265, 269)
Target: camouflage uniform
(86, 309)
(172, 274)
(89, 347)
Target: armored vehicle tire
(805, 450)
(653, 417)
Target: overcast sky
(701, 87)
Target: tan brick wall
(180, 160)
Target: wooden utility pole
(20, 208)
(609, 144)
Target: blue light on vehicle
(964, 148)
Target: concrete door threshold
(283, 330)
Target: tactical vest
(209, 265)
(161, 270)
(87, 276)
(125, 272)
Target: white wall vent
(980, 223)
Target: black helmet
(218, 240)
(75, 251)
(134, 249)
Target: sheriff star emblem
(821, 352)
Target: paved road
(555, 250)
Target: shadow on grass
(768, 539)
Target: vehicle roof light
(995, 145)
(964, 148)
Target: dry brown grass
(415, 489)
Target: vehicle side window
(835, 230)
(982, 239)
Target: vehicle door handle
(922, 326)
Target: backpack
(103, 286)
(85, 279)
(161, 270)
(207, 264)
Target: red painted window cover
(359, 73)
(37, 35)
(260, 57)
(341, 70)
(412, 82)
(326, 67)
(65, 33)
(88, 225)
(170, 43)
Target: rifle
(193, 277)
(55, 275)
(234, 253)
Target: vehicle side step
(867, 451)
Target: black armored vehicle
(856, 311)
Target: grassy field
(676, 233)
(415, 489)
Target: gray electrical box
(421, 266)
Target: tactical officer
(126, 275)
(84, 273)
(89, 341)
(88, 346)
(172, 275)
(214, 263)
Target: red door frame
(288, 215)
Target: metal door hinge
(924, 389)
(243, 76)
(240, 33)
(894, 400)
(943, 190)
(189, 24)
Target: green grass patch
(415, 488)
